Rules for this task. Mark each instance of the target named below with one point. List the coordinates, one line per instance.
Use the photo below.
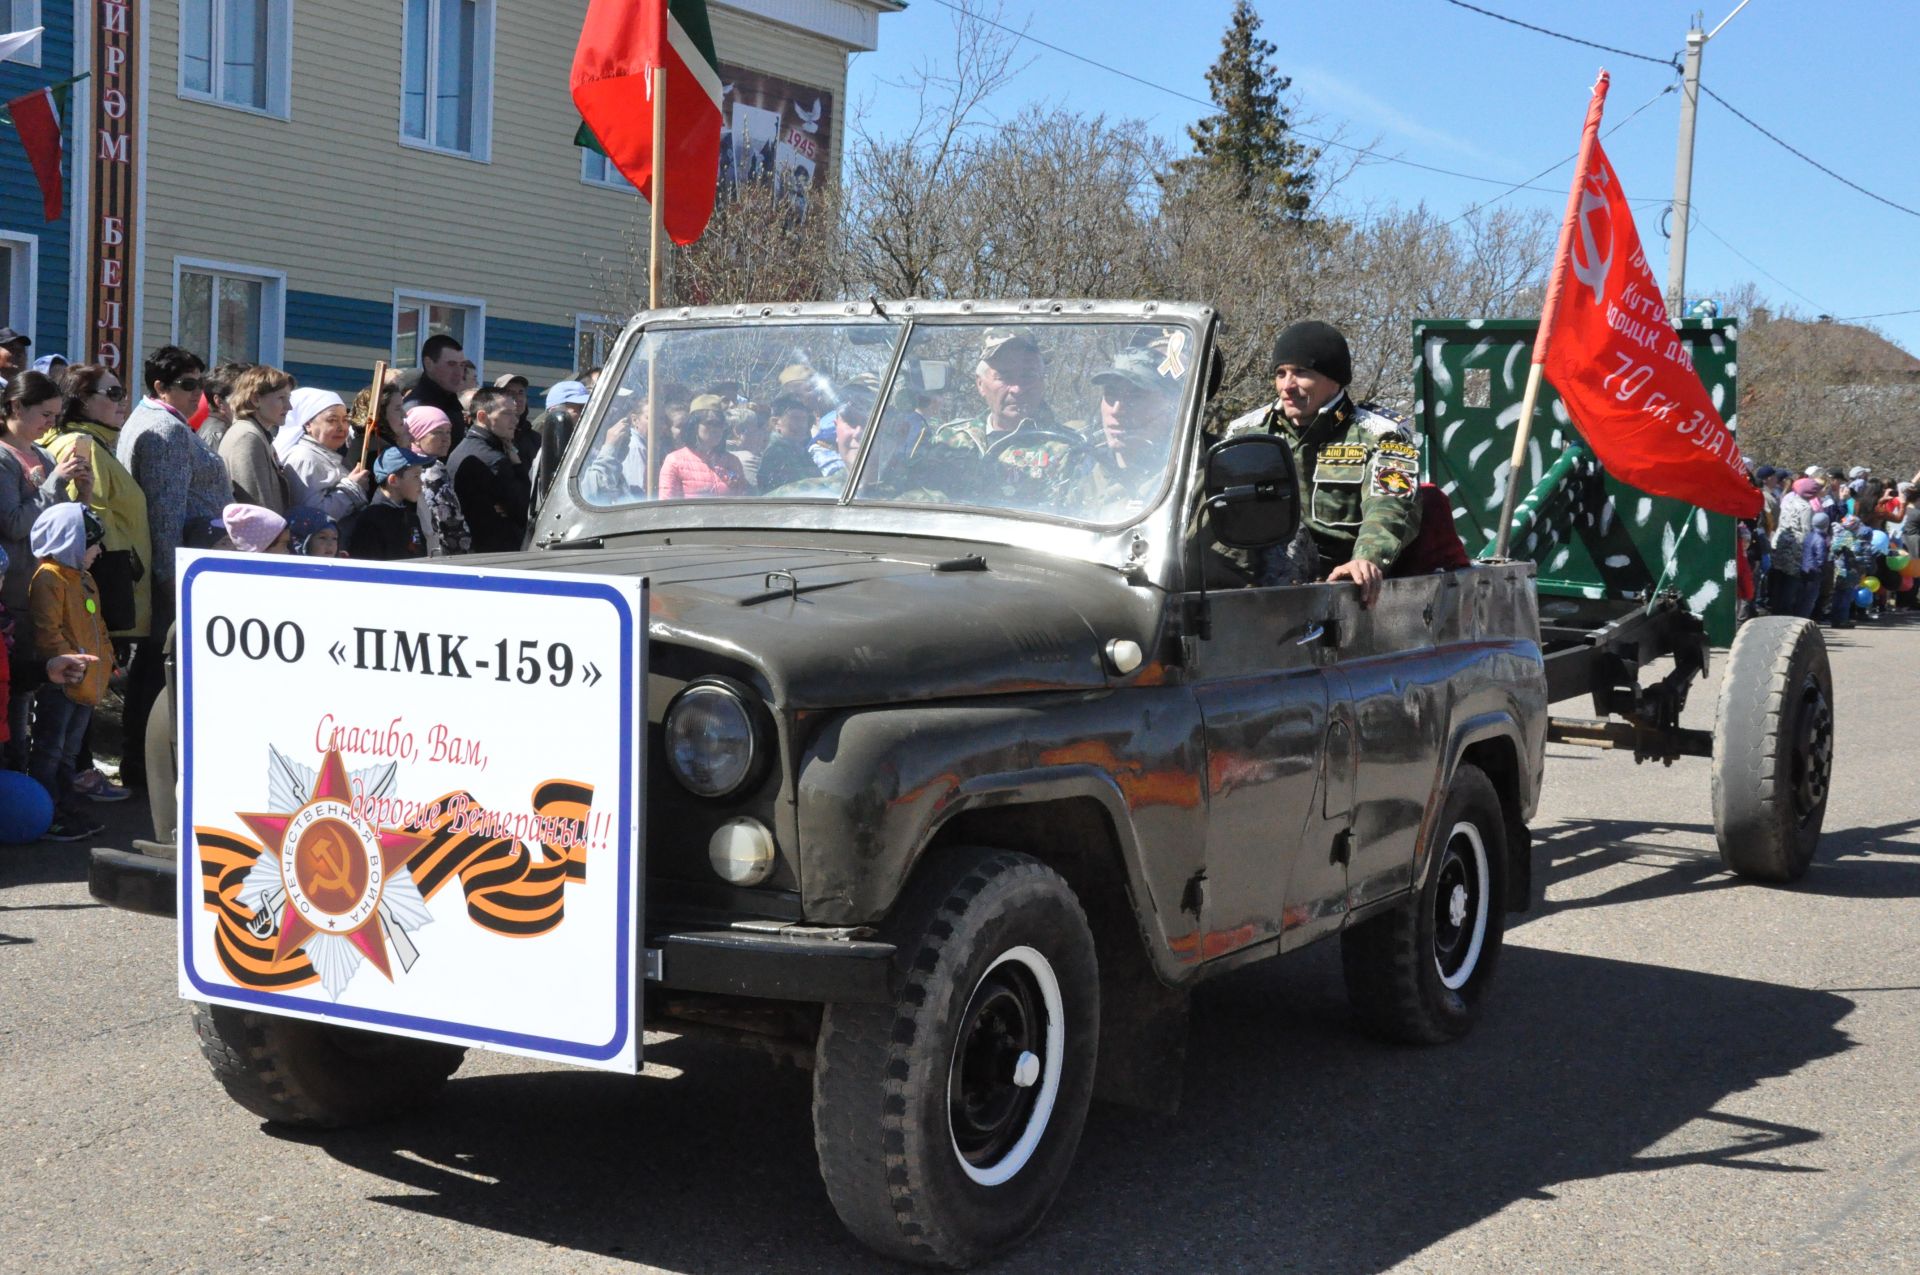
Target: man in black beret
(1359, 467)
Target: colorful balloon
(1898, 561)
(1863, 596)
(26, 812)
(1871, 584)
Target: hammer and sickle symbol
(331, 856)
(1589, 267)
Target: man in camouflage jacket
(1359, 467)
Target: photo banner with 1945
(411, 800)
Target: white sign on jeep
(411, 800)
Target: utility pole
(1683, 162)
(1683, 175)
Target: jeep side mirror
(1252, 492)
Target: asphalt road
(1677, 1072)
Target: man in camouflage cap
(1126, 459)
(1359, 467)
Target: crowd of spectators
(102, 482)
(1837, 546)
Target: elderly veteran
(1359, 467)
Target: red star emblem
(334, 865)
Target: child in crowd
(253, 529)
(1845, 550)
(66, 618)
(313, 534)
(390, 528)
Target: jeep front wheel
(946, 1123)
(294, 1072)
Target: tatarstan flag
(36, 117)
(620, 45)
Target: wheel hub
(1813, 759)
(997, 1064)
(1457, 906)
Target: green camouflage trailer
(1591, 537)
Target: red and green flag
(621, 44)
(37, 118)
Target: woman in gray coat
(262, 397)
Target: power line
(1884, 314)
(1701, 222)
(1368, 152)
(1528, 184)
(1673, 62)
(1788, 146)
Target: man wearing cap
(526, 440)
(1139, 413)
(1359, 467)
(389, 528)
(837, 442)
(1011, 378)
(785, 458)
(13, 354)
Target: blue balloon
(1864, 596)
(1880, 542)
(26, 812)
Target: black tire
(1417, 974)
(1773, 749)
(294, 1072)
(932, 1146)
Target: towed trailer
(1629, 582)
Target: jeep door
(1278, 770)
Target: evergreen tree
(1249, 143)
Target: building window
(593, 339)
(18, 282)
(21, 15)
(417, 318)
(237, 53)
(229, 314)
(447, 90)
(597, 170)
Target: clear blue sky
(1440, 85)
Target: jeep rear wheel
(1417, 973)
(294, 1072)
(946, 1124)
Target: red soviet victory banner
(1609, 348)
(621, 43)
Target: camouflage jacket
(1359, 478)
(952, 458)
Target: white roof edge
(852, 24)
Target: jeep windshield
(1067, 420)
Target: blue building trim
(344, 381)
(20, 208)
(318, 316)
(535, 344)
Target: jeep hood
(838, 627)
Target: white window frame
(598, 324)
(273, 307)
(482, 152)
(611, 178)
(25, 16)
(475, 344)
(25, 251)
(279, 68)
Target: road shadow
(1869, 862)
(1301, 1145)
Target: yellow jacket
(120, 505)
(67, 621)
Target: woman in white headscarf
(317, 477)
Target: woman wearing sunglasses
(96, 406)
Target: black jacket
(387, 531)
(494, 492)
(428, 393)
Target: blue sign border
(631, 631)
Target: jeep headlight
(710, 741)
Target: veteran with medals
(1359, 467)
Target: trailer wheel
(1773, 749)
(294, 1072)
(946, 1123)
(1417, 974)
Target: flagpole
(1549, 310)
(658, 217)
